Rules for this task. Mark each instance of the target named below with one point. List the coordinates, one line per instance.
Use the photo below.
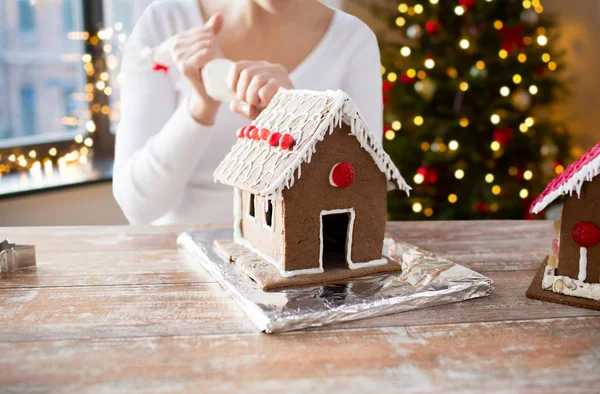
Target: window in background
(4, 105)
(72, 107)
(119, 17)
(44, 95)
(26, 17)
(59, 89)
(68, 18)
(29, 69)
(28, 115)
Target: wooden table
(123, 309)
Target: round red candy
(585, 234)
(341, 175)
(240, 132)
(264, 134)
(254, 134)
(286, 141)
(248, 131)
(274, 139)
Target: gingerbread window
(252, 206)
(269, 214)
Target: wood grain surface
(123, 309)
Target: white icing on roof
(309, 117)
(571, 180)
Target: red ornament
(254, 133)
(585, 234)
(160, 67)
(341, 175)
(264, 134)
(481, 207)
(274, 139)
(432, 27)
(432, 176)
(406, 80)
(466, 4)
(503, 135)
(240, 132)
(286, 141)
(540, 70)
(519, 174)
(512, 37)
(387, 86)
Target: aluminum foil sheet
(426, 280)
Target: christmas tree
(468, 87)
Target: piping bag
(214, 73)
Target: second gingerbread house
(573, 266)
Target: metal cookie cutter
(14, 257)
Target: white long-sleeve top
(164, 160)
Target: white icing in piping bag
(159, 58)
(214, 76)
(582, 263)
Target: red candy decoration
(240, 132)
(341, 175)
(248, 131)
(264, 134)
(286, 141)
(274, 139)
(254, 133)
(160, 67)
(585, 234)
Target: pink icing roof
(584, 169)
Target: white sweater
(164, 160)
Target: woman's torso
(323, 69)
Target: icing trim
(568, 286)
(278, 264)
(582, 263)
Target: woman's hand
(254, 84)
(193, 49)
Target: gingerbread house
(310, 181)
(573, 267)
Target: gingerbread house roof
(308, 116)
(571, 180)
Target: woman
(172, 136)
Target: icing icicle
(582, 263)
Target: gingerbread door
(336, 238)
